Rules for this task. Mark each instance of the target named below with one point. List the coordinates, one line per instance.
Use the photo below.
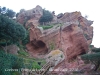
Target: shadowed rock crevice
(38, 44)
(37, 48)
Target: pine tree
(93, 58)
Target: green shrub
(52, 46)
(96, 50)
(47, 16)
(8, 61)
(93, 58)
(47, 27)
(7, 12)
(36, 65)
(26, 40)
(22, 51)
(10, 31)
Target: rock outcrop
(73, 41)
(73, 38)
(12, 49)
(36, 46)
(70, 17)
(55, 57)
(77, 18)
(77, 65)
(28, 16)
(85, 25)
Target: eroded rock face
(32, 15)
(70, 17)
(73, 42)
(85, 25)
(12, 49)
(73, 37)
(36, 47)
(77, 18)
(75, 65)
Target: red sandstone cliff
(73, 37)
(27, 16)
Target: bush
(96, 50)
(7, 12)
(26, 40)
(93, 58)
(47, 16)
(46, 27)
(8, 61)
(10, 31)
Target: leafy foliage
(22, 51)
(33, 63)
(96, 50)
(8, 61)
(47, 27)
(47, 16)
(10, 31)
(91, 57)
(94, 58)
(26, 40)
(7, 12)
(52, 46)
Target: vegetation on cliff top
(47, 17)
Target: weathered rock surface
(75, 65)
(12, 49)
(85, 25)
(36, 47)
(73, 41)
(55, 57)
(70, 17)
(32, 15)
(73, 38)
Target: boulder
(12, 49)
(55, 57)
(60, 15)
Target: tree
(93, 58)
(47, 16)
(9, 61)
(7, 12)
(10, 13)
(10, 31)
